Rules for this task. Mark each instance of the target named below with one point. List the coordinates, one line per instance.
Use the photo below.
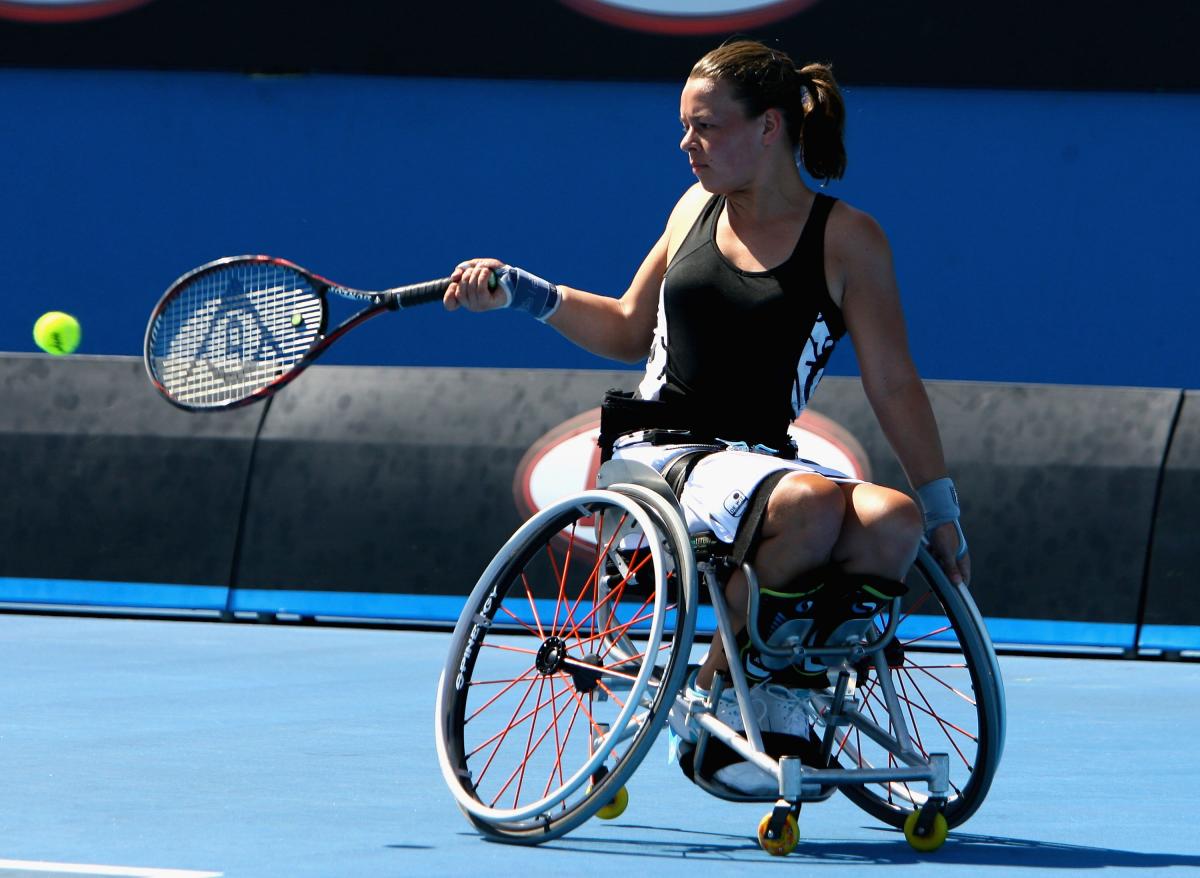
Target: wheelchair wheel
(947, 683)
(565, 663)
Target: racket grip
(429, 291)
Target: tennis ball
(57, 333)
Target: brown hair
(808, 97)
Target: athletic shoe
(727, 710)
(782, 710)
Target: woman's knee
(893, 525)
(803, 504)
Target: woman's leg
(880, 533)
(801, 526)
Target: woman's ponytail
(822, 133)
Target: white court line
(91, 869)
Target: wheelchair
(574, 646)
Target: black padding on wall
(1175, 559)
(401, 480)
(104, 480)
(1057, 486)
(386, 479)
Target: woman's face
(722, 145)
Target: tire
(547, 703)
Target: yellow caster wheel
(616, 807)
(787, 841)
(926, 843)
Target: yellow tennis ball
(57, 333)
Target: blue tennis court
(140, 747)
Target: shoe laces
(785, 708)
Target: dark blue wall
(1039, 237)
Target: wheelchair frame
(588, 665)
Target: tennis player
(738, 307)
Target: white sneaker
(689, 701)
(781, 710)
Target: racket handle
(429, 291)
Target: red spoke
(557, 745)
(511, 683)
(641, 614)
(516, 722)
(611, 694)
(587, 583)
(529, 743)
(561, 575)
(501, 735)
(621, 630)
(519, 620)
(912, 717)
(846, 737)
(928, 634)
(519, 770)
(560, 747)
(633, 570)
(532, 606)
(945, 724)
(504, 647)
(608, 598)
(889, 786)
(905, 614)
(963, 695)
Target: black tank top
(749, 345)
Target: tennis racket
(236, 330)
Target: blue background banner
(1039, 236)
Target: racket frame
(378, 302)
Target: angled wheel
(565, 663)
(789, 836)
(946, 681)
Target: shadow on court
(960, 849)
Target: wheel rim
(551, 695)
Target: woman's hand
(944, 543)
(472, 287)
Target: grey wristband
(939, 503)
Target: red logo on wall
(689, 17)
(51, 11)
(566, 459)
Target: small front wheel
(616, 807)
(788, 838)
(932, 840)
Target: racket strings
(232, 332)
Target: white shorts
(718, 489)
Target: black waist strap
(673, 423)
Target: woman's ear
(772, 126)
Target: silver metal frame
(798, 782)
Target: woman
(740, 304)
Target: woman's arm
(871, 307)
(621, 329)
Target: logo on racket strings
(233, 334)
